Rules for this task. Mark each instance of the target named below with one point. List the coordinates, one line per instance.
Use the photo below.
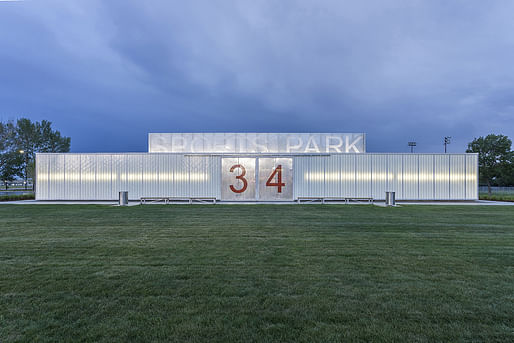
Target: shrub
(17, 197)
(497, 197)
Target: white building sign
(286, 143)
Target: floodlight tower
(412, 145)
(446, 142)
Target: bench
(203, 200)
(323, 200)
(206, 200)
(369, 200)
(151, 200)
(309, 199)
(169, 200)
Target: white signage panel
(258, 143)
(275, 179)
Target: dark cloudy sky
(108, 72)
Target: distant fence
(6, 193)
(16, 184)
(497, 190)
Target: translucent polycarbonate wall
(102, 176)
(411, 176)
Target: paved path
(36, 202)
(377, 203)
(461, 203)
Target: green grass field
(284, 273)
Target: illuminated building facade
(256, 167)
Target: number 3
(239, 177)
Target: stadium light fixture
(447, 140)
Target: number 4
(279, 184)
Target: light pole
(23, 152)
(446, 142)
(412, 145)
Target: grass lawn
(297, 273)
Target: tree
(38, 137)
(22, 140)
(507, 174)
(9, 160)
(494, 157)
(11, 164)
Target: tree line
(20, 140)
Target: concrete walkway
(37, 202)
(377, 203)
(460, 203)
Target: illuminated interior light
(130, 177)
(398, 177)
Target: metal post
(412, 145)
(23, 152)
(26, 178)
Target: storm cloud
(108, 72)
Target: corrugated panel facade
(102, 176)
(411, 176)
